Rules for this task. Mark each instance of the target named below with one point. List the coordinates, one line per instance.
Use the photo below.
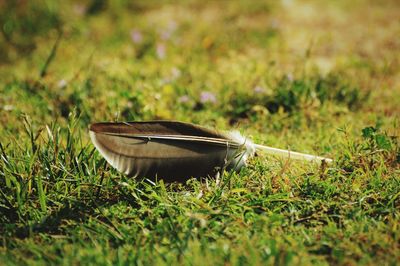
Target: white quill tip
(248, 147)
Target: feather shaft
(217, 141)
(292, 154)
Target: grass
(316, 77)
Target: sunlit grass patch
(300, 75)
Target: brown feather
(171, 150)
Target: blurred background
(215, 62)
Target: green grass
(315, 77)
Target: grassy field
(321, 77)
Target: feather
(168, 149)
(175, 151)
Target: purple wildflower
(136, 36)
(160, 50)
(175, 73)
(166, 33)
(207, 97)
(184, 99)
(258, 89)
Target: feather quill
(176, 151)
